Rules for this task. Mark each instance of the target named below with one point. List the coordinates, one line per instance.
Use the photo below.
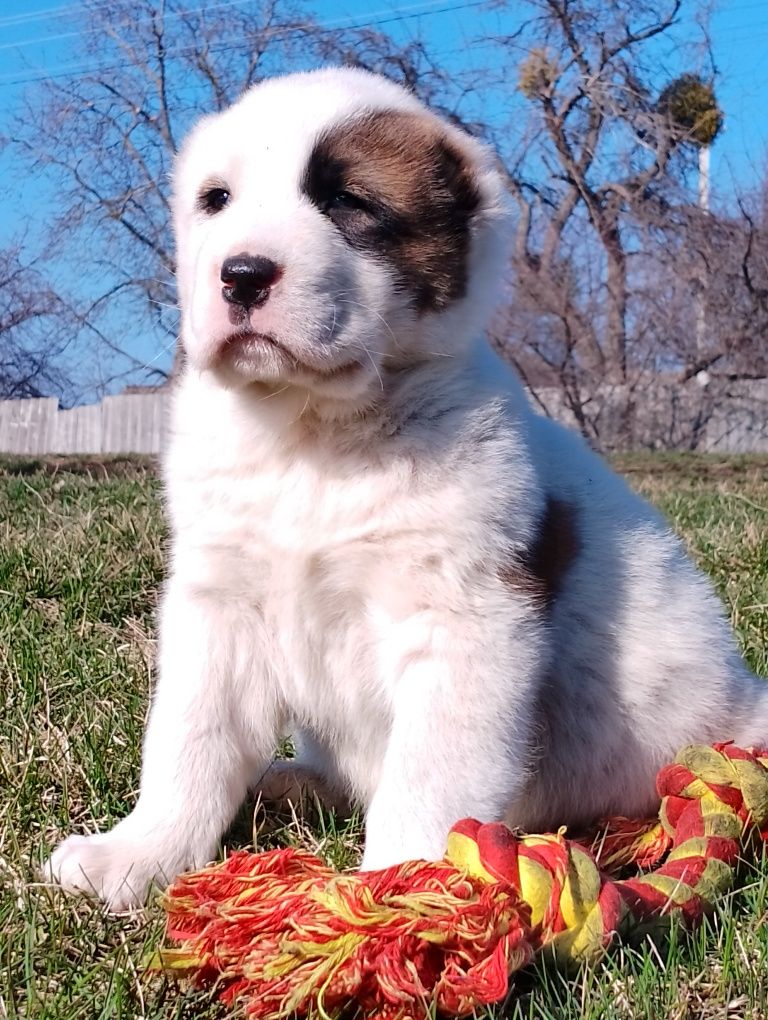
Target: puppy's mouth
(250, 344)
(249, 341)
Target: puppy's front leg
(212, 726)
(460, 737)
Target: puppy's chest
(308, 549)
(277, 514)
(315, 563)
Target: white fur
(339, 546)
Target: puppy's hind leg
(310, 774)
(752, 710)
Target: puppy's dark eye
(347, 200)
(213, 200)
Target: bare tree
(605, 143)
(706, 303)
(33, 336)
(731, 254)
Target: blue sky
(39, 37)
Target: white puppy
(377, 545)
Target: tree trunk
(616, 317)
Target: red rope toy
(282, 933)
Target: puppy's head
(330, 228)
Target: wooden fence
(130, 423)
(135, 422)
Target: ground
(81, 558)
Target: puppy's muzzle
(248, 280)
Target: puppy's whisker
(274, 393)
(164, 349)
(393, 336)
(372, 311)
(333, 324)
(300, 415)
(373, 363)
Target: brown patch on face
(395, 186)
(540, 572)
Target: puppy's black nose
(247, 279)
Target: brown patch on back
(410, 195)
(540, 572)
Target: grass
(81, 558)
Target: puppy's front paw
(110, 866)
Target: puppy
(377, 546)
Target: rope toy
(282, 933)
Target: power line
(53, 12)
(171, 15)
(58, 12)
(126, 21)
(419, 10)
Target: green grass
(81, 558)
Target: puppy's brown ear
(438, 249)
(459, 177)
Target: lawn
(81, 558)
